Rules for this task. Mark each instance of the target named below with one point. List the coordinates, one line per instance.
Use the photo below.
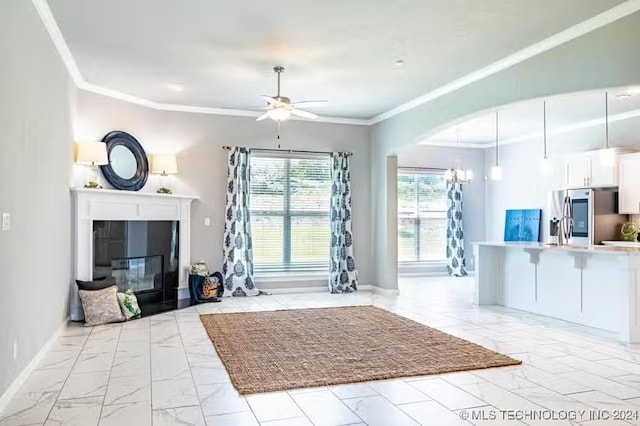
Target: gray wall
(36, 146)
(198, 140)
(603, 58)
(473, 194)
(524, 187)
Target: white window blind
(289, 206)
(422, 216)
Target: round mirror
(123, 162)
(128, 167)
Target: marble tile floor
(163, 370)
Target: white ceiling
(524, 121)
(344, 51)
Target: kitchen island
(597, 286)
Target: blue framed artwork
(522, 225)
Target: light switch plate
(207, 221)
(6, 221)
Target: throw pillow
(129, 304)
(101, 306)
(96, 284)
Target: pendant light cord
(457, 149)
(496, 138)
(606, 119)
(544, 120)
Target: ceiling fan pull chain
(278, 134)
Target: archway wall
(603, 58)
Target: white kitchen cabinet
(629, 184)
(585, 170)
(578, 170)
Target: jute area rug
(298, 348)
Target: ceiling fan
(281, 108)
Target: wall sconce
(164, 165)
(92, 155)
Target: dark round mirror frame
(141, 175)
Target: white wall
(524, 187)
(198, 140)
(473, 194)
(36, 155)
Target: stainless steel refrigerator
(594, 212)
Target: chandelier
(458, 174)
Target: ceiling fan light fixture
(280, 114)
(280, 108)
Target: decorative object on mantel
(458, 174)
(92, 155)
(164, 165)
(128, 166)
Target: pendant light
(607, 155)
(496, 171)
(546, 165)
(458, 174)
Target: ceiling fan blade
(307, 104)
(270, 100)
(303, 114)
(264, 116)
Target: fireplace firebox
(142, 256)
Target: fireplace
(119, 233)
(143, 257)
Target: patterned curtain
(238, 259)
(343, 276)
(455, 235)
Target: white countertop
(572, 247)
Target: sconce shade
(164, 164)
(91, 153)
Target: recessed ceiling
(524, 121)
(222, 53)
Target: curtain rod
(291, 151)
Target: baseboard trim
(22, 377)
(285, 290)
(323, 289)
(383, 291)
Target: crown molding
(50, 24)
(42, 7)
(584, 27)
(452, 144)
(618, 12)
(537, 135)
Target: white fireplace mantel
(107, 204)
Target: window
(290, 212)
(422, 216)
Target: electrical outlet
(15, 349)
(6, 221)
(207, 221)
